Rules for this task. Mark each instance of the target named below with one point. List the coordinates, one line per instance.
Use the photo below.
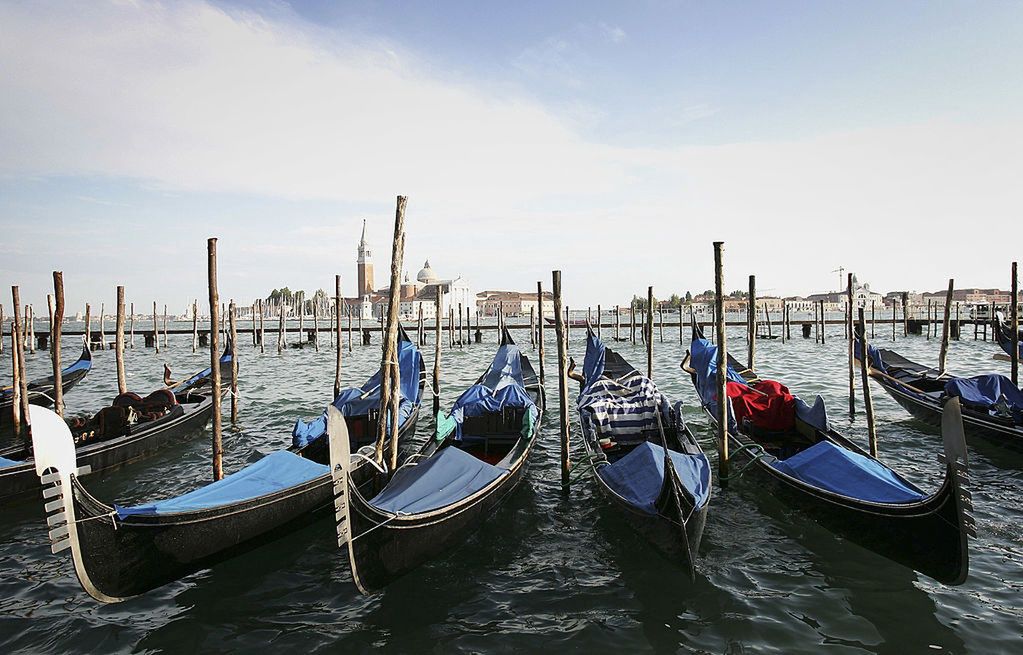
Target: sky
(613, 141)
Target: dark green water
(548, 571)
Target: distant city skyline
(611, 141)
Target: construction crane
(841, 276)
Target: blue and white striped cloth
(623, 409)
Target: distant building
(513, 303)
(863, 296)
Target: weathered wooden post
(280, 332)
(316, 326)
(451, 326)
(660, 325)
(905, 313)
(420, 327)
(103, 325)
(461, 336)
(751, 318)
(301, 323)
(929, 301)
(680, 336)
(255, 334)
(88, 323)
(195, 324)
(559, 329)
(632, 320)
(767, 319)
(532, 327)
(58, 324)
(599, 314)
(348, 310)
(165, 326)
(942, 357)
(20, 382)
(865, 381)
(824, 323)
(539, 331)
(893, 320)
(849, 333)
(649, 329)
(1014, 317)
(214, 294)
(873, 318)
(618, 322)
(722, 364)
(437, 336)
(262, 333)
(31, 327)
(390, 396)
(156, 330)
(568, 327)
(122, 380)
(49, 311)
(337, 329)
(1, 328)
(233, 317)
(131, 338)
(816, 324)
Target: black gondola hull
(41, 392)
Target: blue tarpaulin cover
(502, 386)
(4, 462)
(447, 477)
(593, 364)
(830, 467)
(358, 401)
(815, 415)
(984, 391)
(704, 361)
(638, 476)
(276, 471)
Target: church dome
(426, 275)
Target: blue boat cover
(278, 470)
(984, 391)
(358, 401)
(78, 365)
(447, 477)
(4, 462)
(704, 361)
(502, 386)
(638, 476)
(593, 364)
(875, 359)
(815, 415)
(827, 466)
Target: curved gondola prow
(56, 466)
(957, 471)
(695, 327)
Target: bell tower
(365, 265)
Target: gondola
(644, 458)
(795, 454)
(477, 457)
(1003, 334)
(40, 392)
(120, 552)
(992, 406)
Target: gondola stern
(957, 472)
(669, 505)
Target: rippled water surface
(548, 570)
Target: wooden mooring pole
(20, 381)
(195, 324)
(943, 356)
(233, 318)
(722, 364)
(390, 396)
(1013, 328)
(559, 331)
(214, 295)
(122, 380)
(58, 324)
(650, 333)
(849, 334)
(751, 324)
(337, 329)
(280, 332)
(539, 331)
(865, 382)
(437, 336)
(131, 338)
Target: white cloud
(612, 33)
(187, 98)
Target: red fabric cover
(768, 406)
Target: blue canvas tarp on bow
(703, 358)
(501, 386)
(358, 401)
(984, 391)
(447, 477)
(827, 466)
(638, 476)
(277, 471)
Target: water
(547, 571)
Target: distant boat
(40, 392)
